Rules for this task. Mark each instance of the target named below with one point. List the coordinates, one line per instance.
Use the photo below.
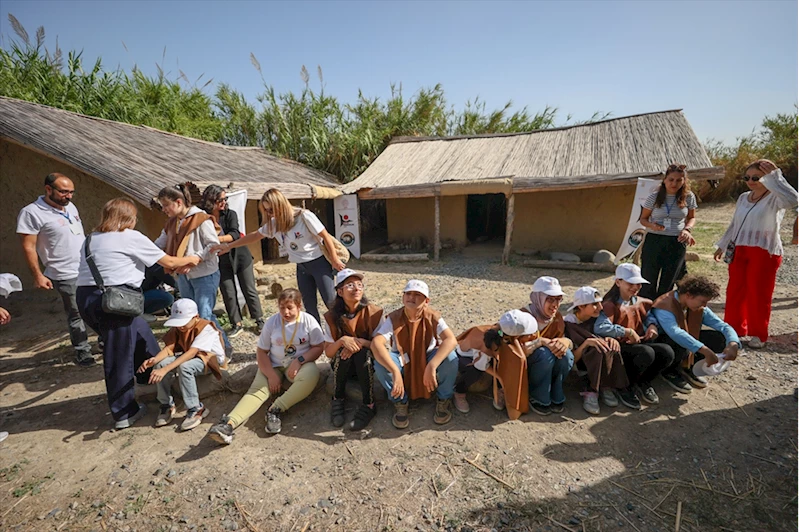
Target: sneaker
(400, 419)
(222, 433)
(273, 423)
(228, 352)
(688, 375)
(461, 404)
(677, 382)
(125, 423)
(557, 408)
(85, 360)
(756, 343)
(443, 413)
(194, 417)
(629, 399)
(363, 416)
(591, 402)
(337, 412)
(609, 397)
(165, 414)
(235, 331)
(541, 410)
(647, 393)
(259, 323)
(499, 400)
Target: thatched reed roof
(602, 153)
(140, 160)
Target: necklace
(290, 349)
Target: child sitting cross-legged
(193, 346)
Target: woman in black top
(237, 263)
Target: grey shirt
(670, 215)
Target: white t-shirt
(208, 341)
(59, 237)
(386, 330)
(300, 242)
(121, 257)
(308, 333)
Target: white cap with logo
(518, 323)
(548, 285)
(631, 273)
(346, 273)
(183, 310)
(585, 296)
(415, 285)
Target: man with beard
(50, 229)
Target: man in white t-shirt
(51, 230)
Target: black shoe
(541, 410)
(235, 331)
(674, 380)
(363, 416)
(259, 323)
(84, 360)
(629, 399)
(556, 408)
(648, 394)
(337, 412)
(697, 382)
(222, 433)
(273, 423)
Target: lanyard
(65, 214)
(289, 346)
(669, 207)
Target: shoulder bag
(729, 252)
(122, 300)
(342, 252)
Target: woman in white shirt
(299, 232)
(121, 254)
(753, 249)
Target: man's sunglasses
(753, 178)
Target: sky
(726, 64)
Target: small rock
(751, 378)
(604, 256)
(97, 504)
(54, 512)
(73, 505)
(630, 507)
(171, 474)
(574, 521)
(183, 519)
(563, 257)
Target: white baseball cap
(183, 310)
(345, 274)
(584, 296)
(631, 273)
(517, 323)
(415, 285)
(549, 285)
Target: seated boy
(421, 358)
(200, 347)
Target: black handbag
(122, 300)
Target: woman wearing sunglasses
(668, 215)
(753, 249)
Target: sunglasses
(676, 168)
(753, 178)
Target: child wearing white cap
(193, 346)
(625, 317)
(599, 357)
(549, 364)
(351, 323)
(421, 357)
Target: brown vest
(687, 319)
(555, 329)
(178, 240)
(413, 339)
(628, 316)
(180, 342)
(362, 325)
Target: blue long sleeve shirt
(667, 323)
(606, 328)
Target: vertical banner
(237, 202)
(635, 232)
(348, 222)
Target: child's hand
(731, 351)
(274, 380)
(613, 344)
(398, 390)
(350, 344)
(147, 364)
(651, 332)
(158, 375)
(632, 336)
(293, 369)
(430, 381)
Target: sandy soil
(724, 458)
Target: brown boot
(443, 411)
(400, 419)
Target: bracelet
(687, 229)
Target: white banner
(635, 232)
(237, 202)
(348, 222)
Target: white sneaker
(756, 343)
(609, 398)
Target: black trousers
(361, 366)
(662, 264)
(467, 374)
(644, 362)
(714, 341)
(128, 343)
(227, 285)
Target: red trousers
(753, 274)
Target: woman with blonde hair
(120, 255)
(301, 234)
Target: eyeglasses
(353, 286)
(752, 178)
(64, 192)
(554, 299)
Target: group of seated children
(619, 343)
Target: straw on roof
(575, 156)
(139, 160)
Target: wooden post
(437, 243)
(508, 230)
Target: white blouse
(761, 226)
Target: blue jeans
(446, 374)
(545, 374)
(202, 290)
(155, 300)
(187, 374)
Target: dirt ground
(723, 458)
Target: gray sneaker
(125, 423)
(194, 417)
(165, 414)
(591, 402)
(273, 423)
(222, 433)
(84, 359)
(609, 398)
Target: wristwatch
(301, 359)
